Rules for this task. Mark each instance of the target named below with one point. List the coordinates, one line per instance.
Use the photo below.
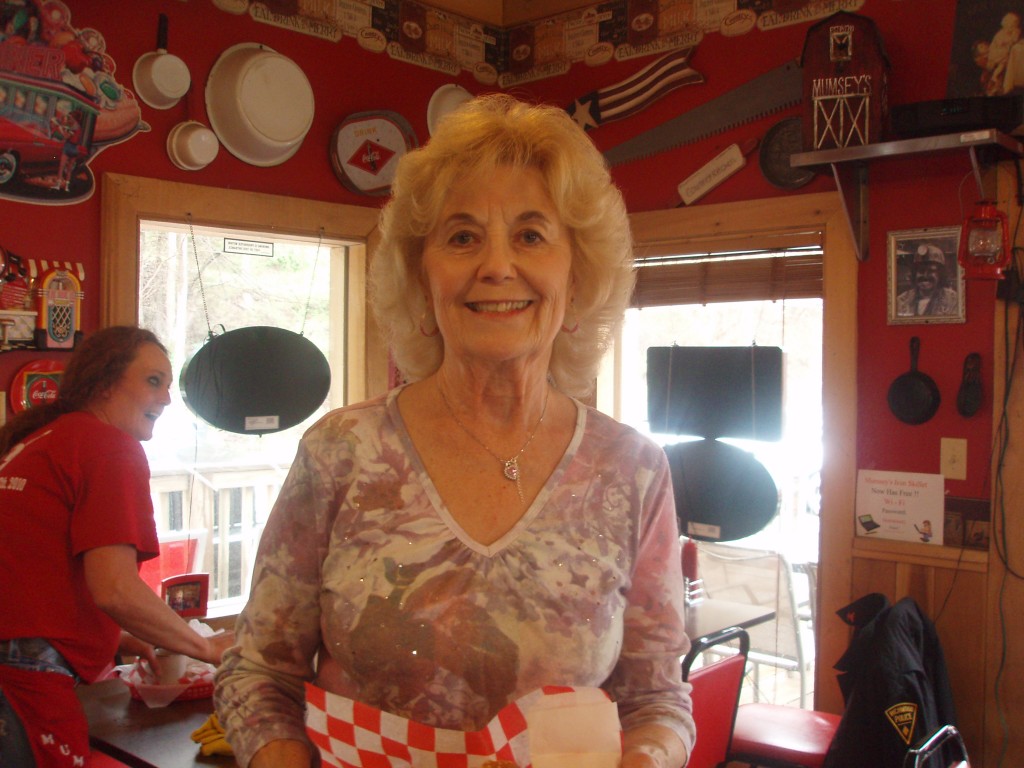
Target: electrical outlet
(953, 458)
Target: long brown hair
(96, 365)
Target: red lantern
(985, 243)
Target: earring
(423, 331)
(576, 324)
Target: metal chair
(715, 695)
(931, 746)
(777, 736)
(761, 577)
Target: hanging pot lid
(256, 380)
(722, 492)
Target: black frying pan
(913, 396)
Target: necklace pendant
(512, 469)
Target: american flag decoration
(635, 93)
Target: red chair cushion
(783, 734)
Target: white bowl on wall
(446, 99)
(260, 104)
(192, 146)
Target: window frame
(128, 200)
(779, 222)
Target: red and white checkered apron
(350, 734)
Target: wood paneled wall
(948, 584)
(1004, 625)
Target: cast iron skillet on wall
(256, 380)
(913, 396)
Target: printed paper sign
(900, 505)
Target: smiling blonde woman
(477, 533)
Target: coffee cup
(172, 667)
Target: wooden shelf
(850, 167)
(920, 554)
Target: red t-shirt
(76, 484)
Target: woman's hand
(282, 753)
(639, 758)
(217, 645)
(652, 746)
(112, 577)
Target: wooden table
(142, 737)
(711, 615)
(160, 738)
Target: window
(777, 223)
(767, 298)
(213, 490)
(195, 280)
(795, 325)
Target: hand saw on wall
(773, 91)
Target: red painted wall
(905, 193)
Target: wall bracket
(850, 168)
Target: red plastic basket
(200, 689)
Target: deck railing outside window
(224, 510)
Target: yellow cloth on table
(210, 738)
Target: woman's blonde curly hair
(473, 141)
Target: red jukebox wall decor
(846, 76)
(58, 295)
(40, 302)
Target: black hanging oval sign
(256, 380)
(722, 492)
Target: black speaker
(973, 113)
(715, 391)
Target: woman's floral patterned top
(365, 585)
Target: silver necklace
(509, 467)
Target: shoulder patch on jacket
(903, 716)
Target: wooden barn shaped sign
(846, 78)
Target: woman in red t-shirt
(74, 498)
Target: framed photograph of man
(926, 283)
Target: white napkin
(576, 729)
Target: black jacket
(894, 683)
